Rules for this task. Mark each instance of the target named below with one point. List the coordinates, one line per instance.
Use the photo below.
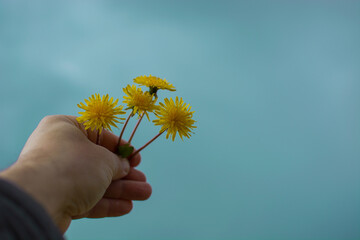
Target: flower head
(100, 113)
(175, 117)
(140, 102)
(154, 83)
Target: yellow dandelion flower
(100, 113)
(175, 117)
(154, 83)
(140, 102)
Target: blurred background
(276, 90)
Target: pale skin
(63, 169)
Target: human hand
(67, 173)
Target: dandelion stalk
(153, 139)
(123, 129)
(137, 125)
(98, 137)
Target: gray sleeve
(21, 217)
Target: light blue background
(276, 90)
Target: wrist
(39, 184)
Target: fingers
(131, 187)
(107, 140)
(110, 142)
(135, 161)
(108, 207)
(135, 175)
(128, 189)
(117, 199)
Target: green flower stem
(123, 129)
(153, 139)
(132, 134)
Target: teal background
(276, 90)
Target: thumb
(118, 166)
(122, 167)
